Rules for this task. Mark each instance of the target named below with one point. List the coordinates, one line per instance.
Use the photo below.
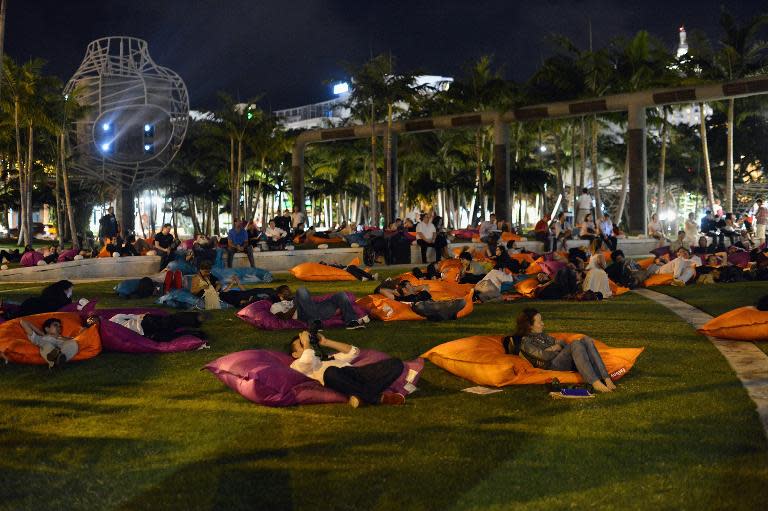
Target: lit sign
(341, 88)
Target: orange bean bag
(319, 241)
(450, 269)
(742, 324)
(385, 309)
(660, 279)
(440, 289)
(535, 267)
(320, 272)
(104, 252)
(527, 287)
(616, 289)
(482, 360)
(16, 347)
(646, 262)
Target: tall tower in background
(682, 47)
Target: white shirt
(283, 307)
(486, 227)
(691, 229)
(274, 232)
(497, 277)
(297, 217)
(129, 321)
(585, 201)
(427, 230)
(310, 364)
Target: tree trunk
(662, 164)
(705, 154)
(57, 198)
(583, 154)
(237, 177)
(2, 35)
(388, 192)
(67, 197)
(374, 209)
(173, 218)
(559, 165)
(20, 169)
(28, 179)
(595, 173)
(232, 185)
(216, 218)
(141, 219)
(193, 214)
(729, 157)
(478, 212)
(624, 190)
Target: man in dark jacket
(108, 227)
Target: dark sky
(287, 49)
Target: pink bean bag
(188, 244)
(551, 267)
(115, 337)
(67, 255)
(258, 315)
(740, 259)
(31, 258)
(265, 377)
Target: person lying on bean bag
(51, 299)
(231, 292)
(354, 270)
(546, 352)
(55, 348)
(158, 327)
(421, 300)
(364, 384)
(301, 306)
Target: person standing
(761, 220)
(297, 217)
(583, 206)
(691, 229)
(108, 226)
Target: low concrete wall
(281, 260)
(632, 247)
(99, 268)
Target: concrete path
(746, 359)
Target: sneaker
(375, 276)
(392, 398)
(355, 402)
(355, 325)
(364, 320)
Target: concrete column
(126, 213)
(501, 170)
(638, 172)
(297, 175)
(390, 186)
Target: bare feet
(609, 383)
(600, 386)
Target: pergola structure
(136, 116)
(634, 104)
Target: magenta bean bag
(67, 255)
(115, 337)
(265, 377)
(31, 258)
(258, 315)
(465, 233)
(188, 244)
(740, 259)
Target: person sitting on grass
(158, 327)
(237, 242)
(355, 271)
(56, 349)
(545, 352)
(231, 292)
(363, 384)
(596, 279)
(302, 307)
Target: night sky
(287, 49)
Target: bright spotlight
(341, 88)
(147, 147)
(543, 148)
(105, 146)
(106, 126)
(147, 128)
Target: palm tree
(741, 55)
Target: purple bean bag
(265, 377)
(31, 258)
(551, 267)
(740, 259)
(258, 315)
(658, 252)
(188, 244)
(467, 234)
(67, 255)
(115, 337)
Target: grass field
(154, 432)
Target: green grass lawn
(154, 432)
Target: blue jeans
(310, 310)
(582, 356)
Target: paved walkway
(746, 359)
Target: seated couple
(158, 327)
(301, 307)
(545, 352)
(363, 384)
(231, 292)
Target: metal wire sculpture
(136, 113)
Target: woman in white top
(588, 230)
(596, 279)
(691, 230)
(655, 230)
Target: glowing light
(106, 126)
(543, 148)
(147, 128)
(341, 88)
(147, 147)
(105, 146)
